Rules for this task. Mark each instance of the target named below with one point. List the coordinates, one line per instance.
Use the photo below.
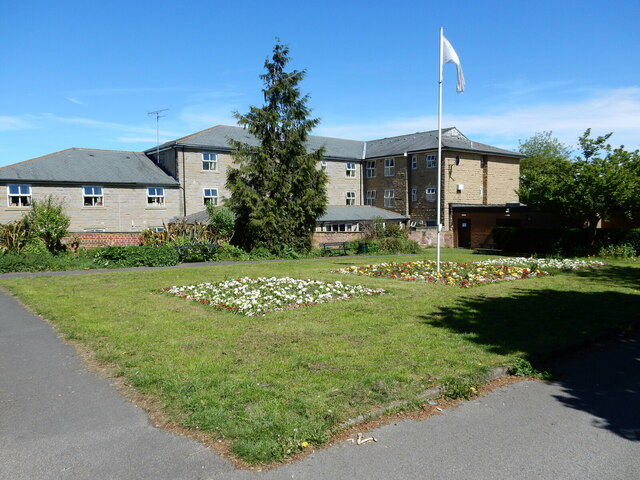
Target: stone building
(111, 195)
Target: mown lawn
(271, 385)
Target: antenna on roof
(158, 116)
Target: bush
(48, 222)
(13, 236)
(12, 262)
(393, 245)
(226, 251)
(144, 256)
(623, 250)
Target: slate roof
(355, 213)
(217, 138)
(335, 213)
(452, 139)
(344, 149)
(89, 166)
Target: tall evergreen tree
(277, 189)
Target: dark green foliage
(143, 256)
(612, 242)
(277, 190)
(602, 183)
(12, 262)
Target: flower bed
(467, 274)
(258, 296)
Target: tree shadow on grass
(536, 324)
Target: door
(464, 233)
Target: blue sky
(86, 73)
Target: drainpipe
(184, 187)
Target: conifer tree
(277, 189)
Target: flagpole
(439, 172)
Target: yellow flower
(304, 444)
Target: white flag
(449, 55)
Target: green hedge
(144, 256)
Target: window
(92, 197)
(341, 227)
(389, 195)
(211, 196)
(389, 167)
(430, 194)
(155, 196)
(371, 198)
(351, 198)
(430, 161)
(371, 168)
(209, 161)
(414, 162)
(19, 195)
(351, 169)
(414, 194)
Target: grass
(266, 385)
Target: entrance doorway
(464, 233)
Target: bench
(333, 247)
(488, 248)
(201, 248)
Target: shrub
(221, 222)
(226, 251)
(35, 246)
(13, 236)
(393, 245)
(623, 250)
(48, 222)
(144, 256)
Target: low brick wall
(90, 240)
(428, 238)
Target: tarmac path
(58, 420)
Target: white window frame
(350, 198)
(389, 167)
(371, 198)
(414, 162)
(155, 197)
(92, 196)
(209, 196)
(371, 168)
(350, 169)
(22, 195)
(430, 161)
(209, 162)
(414, 194)
(430, 194)
(389, 197)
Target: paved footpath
(60, 421)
